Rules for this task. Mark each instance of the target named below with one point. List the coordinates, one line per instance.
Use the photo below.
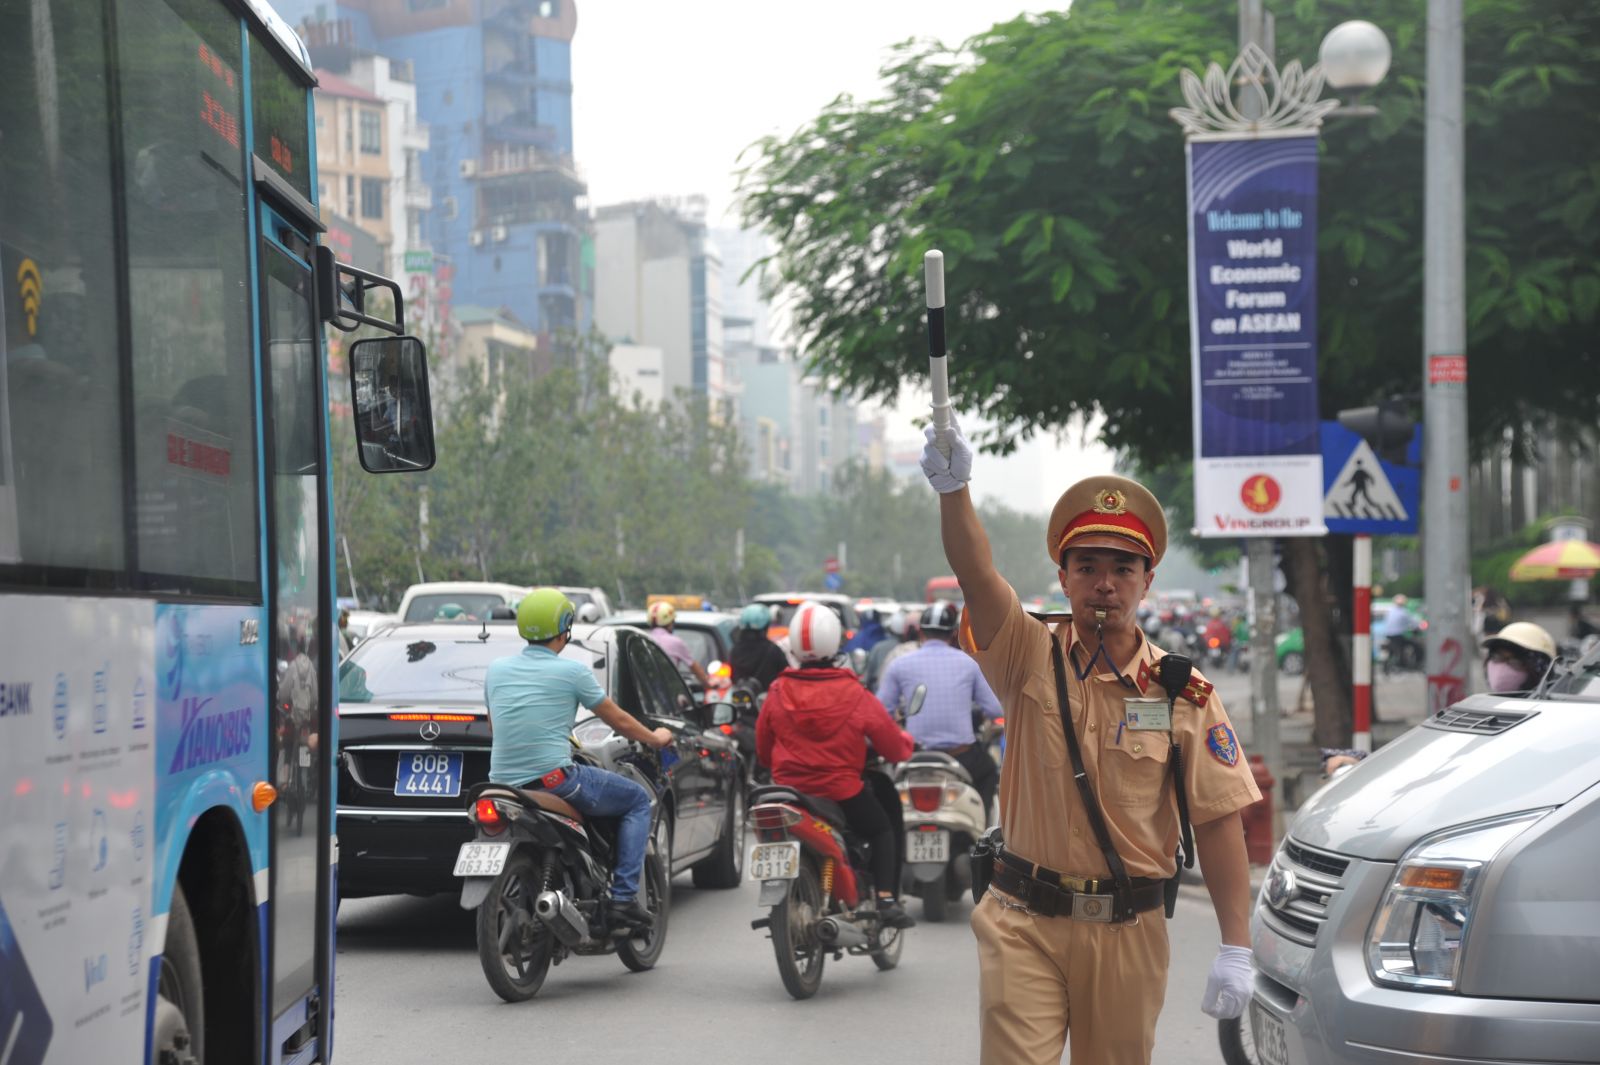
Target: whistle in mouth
(1100, 615)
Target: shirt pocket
(1049, 742)
(1132, 772)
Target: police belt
(1052, 894)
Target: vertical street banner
(1253, 324)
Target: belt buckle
(1092, 908)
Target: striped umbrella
(1559, 560)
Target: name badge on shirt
(1147, 714)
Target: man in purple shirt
(955, 685)
(662, 617)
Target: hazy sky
(666, 96)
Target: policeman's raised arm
(966, 545)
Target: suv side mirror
(393, 411)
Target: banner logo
(1261, 494)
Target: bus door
(297, 524)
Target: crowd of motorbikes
(536, 871)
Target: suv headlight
(1416, 939)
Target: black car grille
(1298, 915)
(367, 779)
(1478, 722)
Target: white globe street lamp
(1355, 57)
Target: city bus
(168, 860)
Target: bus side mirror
(393, 411)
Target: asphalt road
(410, 992)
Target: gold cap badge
(1111, 501)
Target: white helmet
(815, 633)
(589, 613)
(897, 624)
(1525, 636)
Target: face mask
(1506, 677)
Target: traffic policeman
(1071, 940)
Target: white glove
(1229, 986)
(947, 474)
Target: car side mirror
(919, 695)
(393, 411)
(722, 714)
(858, 661)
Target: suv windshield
(783, 612)
(476, 605)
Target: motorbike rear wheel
(794, 939)
(514, 946)
(641, 953)
(1238, 1042)
(935, 904)
(886, 953)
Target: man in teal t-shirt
(533, 701)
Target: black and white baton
(938, 362)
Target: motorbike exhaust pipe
(563, 918)
(839, 935)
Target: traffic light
(1386, 427)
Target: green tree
(1040, 158)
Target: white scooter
(944, 816)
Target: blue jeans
(598, 793)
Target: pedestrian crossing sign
(1364, 494)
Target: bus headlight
(1417, 937)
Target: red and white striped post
(1361, 645)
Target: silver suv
(1441, 901)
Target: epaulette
(1198, 691)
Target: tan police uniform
(1045, 978)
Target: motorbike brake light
(485, 812)
(727, 730)
(926, 797)
(1214, 642)
(774, 817)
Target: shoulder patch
(1198, 691)
(1222, 745)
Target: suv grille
(1299, 888)
(1478, 722)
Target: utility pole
(1446, 563)
(1256, 27)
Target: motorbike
(537, 872)
(746, 698)
(944, 816)
(816, 882)
(1400, 654)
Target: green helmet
(755, 616)
(449, 612)
(544, 614)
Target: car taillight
(774, 818)
(486, 813)
(926, 797)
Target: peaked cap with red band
(1108, 511)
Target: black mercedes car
(414, 739)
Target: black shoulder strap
(1091, 805)
(1183, 801)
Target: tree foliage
(1040, 158)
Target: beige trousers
(1043, 979)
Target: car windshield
(702, 643)
(782, 613)
(579, 598)
(475, 606)
(407, 668)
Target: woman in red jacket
(813, 733)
